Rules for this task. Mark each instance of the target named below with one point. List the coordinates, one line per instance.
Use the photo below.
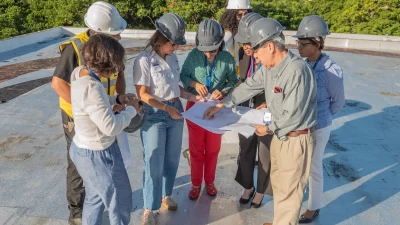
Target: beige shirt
(161, 76)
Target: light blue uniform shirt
(330, 90)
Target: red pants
(204, 147)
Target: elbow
(54, 84)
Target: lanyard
(209, 75)
(316, 62)
(93, 74)
(253, 70)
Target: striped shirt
(330, 90)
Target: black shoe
(256, 205)
(245, 201)
(304, 219)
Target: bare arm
(143, 94)
(121, 84)
(62, 88)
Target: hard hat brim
(300, 36)
(114, 32)
(209, 48)
(181, 42)
(240, 39)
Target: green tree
(12, 18)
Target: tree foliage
(343, 16)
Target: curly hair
(228, 20)
(103, 54)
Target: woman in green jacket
(207, 70)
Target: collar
(323, 64)
(277, 70)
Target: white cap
(104, 18)
(239, 4)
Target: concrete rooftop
(361, 162)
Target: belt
(297, 133)
(171, 100)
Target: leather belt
(297, 133)
(172, 100)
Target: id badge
(267, 118)
(208, 81)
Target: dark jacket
(244, 65)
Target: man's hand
(201, 89)
(261, 130)
(209, 113)
(262, 106)
(216, 95)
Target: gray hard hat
(136, 122)
(243, 34)
(172, 26)
(209, 35)
(263, 30)
(312, 27)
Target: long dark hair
(103, 54)
(156, 41)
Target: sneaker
(75, 221)
(194, 192)
(169, 203)
(211, 190)
(148, 218)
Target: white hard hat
(239, 4)
(104, 18)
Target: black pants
(75, 189)
(247, 159)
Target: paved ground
(361, 163)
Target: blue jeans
(162, 140)
(106, 184)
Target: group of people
(240, 61)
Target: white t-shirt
(95, 123)
(161, 76)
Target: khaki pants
(290, 169)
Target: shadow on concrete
(365, 162)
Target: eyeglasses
(302, 45)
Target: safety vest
(108, 83)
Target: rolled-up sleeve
(335, 87)
(141, 71)
(246, 90)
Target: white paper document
(241, 119)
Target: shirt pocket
(159, 79)
(175, 74)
